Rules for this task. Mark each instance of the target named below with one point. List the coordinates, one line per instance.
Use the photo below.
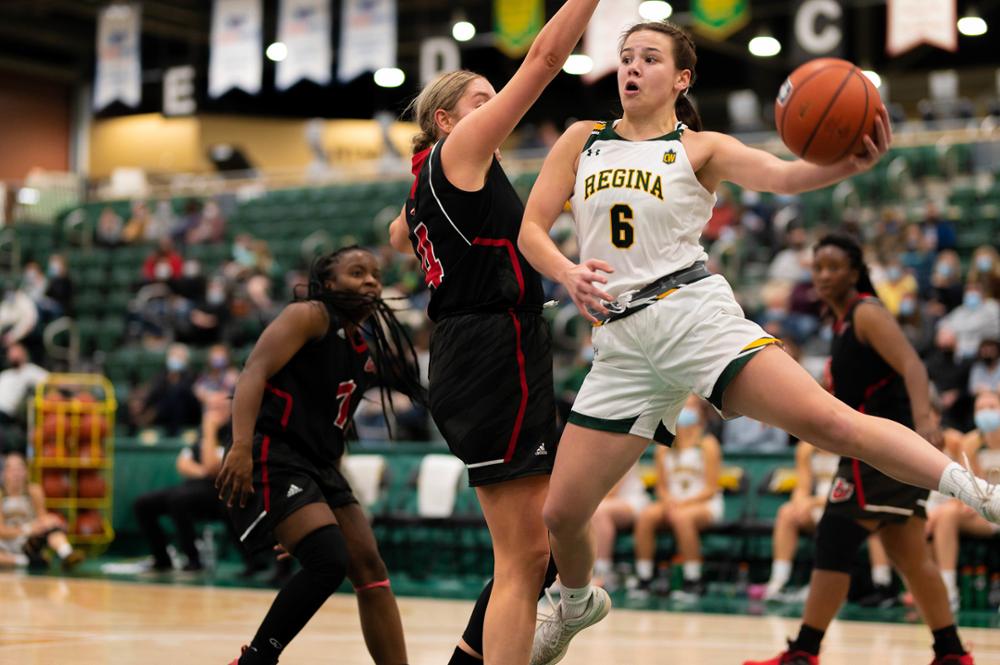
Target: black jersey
(309, 402)
(467, 241)
(861, 378)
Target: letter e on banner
(178, 91)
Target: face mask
(215, 297)
(219, 362)
(687, 417)
(191, 269)
(587, 354)
(944, 269)
(987, 420)
(894, 273)
(243, 255)
(162, 271)
(984, 264)
(907, 308)
(175, 364)
(972, 299)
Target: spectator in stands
(976, 319)
(186, 221)
(60, 288)
(163, 264)
(746, 435)
(815, 470)
(195, 498)
(210, 227)
(946, 283)
(916, 324)
(619, 511)
(214, 388)
(950, 517)
(688, 500)
(162, 221)
(918, 256)
(26, 528)
(985, 373)
(18, 316)
(17, 383)
(33, 282)
(136, 227)
(985, 271)
(794, 261)
(896, 285)
(944, 230)
(206, 321)
(191, 284)
(724, 215)
(950, 376)
(109, 228)
(169, 402)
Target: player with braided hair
(281, 477)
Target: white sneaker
(985, 499)
(553, 634)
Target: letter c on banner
(810, 38)
(438, 55)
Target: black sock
(323, 555)
(946, 642)
(462, 658)
(808, 640)
(473, 634)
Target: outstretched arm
(761, 171)
(469, 150)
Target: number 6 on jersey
(622, 231)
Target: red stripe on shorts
(523, 376)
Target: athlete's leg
(906, 546)
(612, 515)
(652, 519)
(687, 523)
(513, 512)
(793, 518)
(773, 388)
(588, 465)
(380, 621)
(879, 560)
(951, 519)
(312, 536)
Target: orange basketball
(824, 110)
(90, 485)
(88, 428)
(88, 523)
(55, 483)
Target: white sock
(781, 572)
(956, 482)
(64, 550)
(644, 569)
(881, 575)
(950, 578)
(574, 601)
(692, 571)
(21, 560)
(602, 567)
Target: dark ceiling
(55, 39)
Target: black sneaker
(882, 597)
(691, 592)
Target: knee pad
(323, 553)
(837, 541)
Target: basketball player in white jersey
(641, 190)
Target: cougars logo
(841, 491)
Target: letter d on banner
(438, 55)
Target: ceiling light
(972, 25)
(764, 46)
(389, 77)
(655, 10)
(873, 77)
(276, 52)
(463, 31)
(578, 64)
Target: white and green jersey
(638, 206)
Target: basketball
(89, 523)
(91, 485)
(55, 483)
(824, 109)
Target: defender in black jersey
(491, 391)
(876, 371)
(281, 476)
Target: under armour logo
(541, 450)
(293, 490)
(593, 151)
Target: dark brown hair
(684, 58)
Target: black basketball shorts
(491, 393)
(862, 492)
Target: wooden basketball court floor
(49, 621)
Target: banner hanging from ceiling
(236, 58)
(611, 19)
(304, 29)
(818, 27)
(119, 70)
(367, 37)
(914, 22)
(517, 23)
(718, 19)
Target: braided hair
(850, 246)
(392, 350)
